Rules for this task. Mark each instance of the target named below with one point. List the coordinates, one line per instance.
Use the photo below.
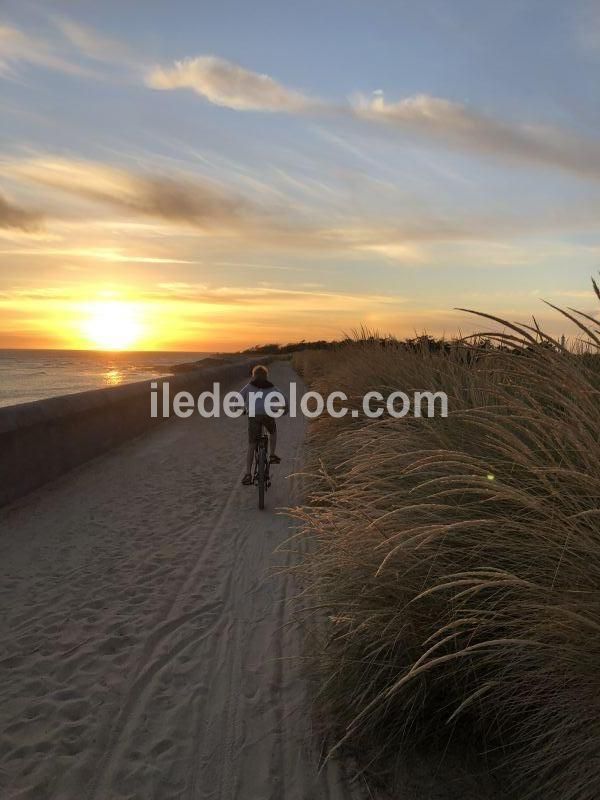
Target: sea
(27, 375)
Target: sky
(195, 176)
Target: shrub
(458, 559)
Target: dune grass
(458, 560)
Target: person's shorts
(256, 425)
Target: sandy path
(146, 649)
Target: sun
(112, 325)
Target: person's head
(260, 372)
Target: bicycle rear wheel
(262, 476)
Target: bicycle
(262, 476)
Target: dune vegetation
(456, 560)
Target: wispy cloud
(267, 294)
(198, 203)
(110, 254)
(17, 46)
(438, 120)
(214, 212)
(151, 207)
(587, 26)
(13, 216)
(67, 47)
(227, 84)
(471, 131)
(578, 295)
(95, 45)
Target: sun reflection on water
(113, 377)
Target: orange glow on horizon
(182, 317)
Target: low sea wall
(41, 440)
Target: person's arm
(244, 392)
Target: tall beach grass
(457, 560)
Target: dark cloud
(169, 199)
(197, 202)
(12, 216)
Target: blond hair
(260, 371)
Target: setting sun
(112, 325)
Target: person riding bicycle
(256, 394)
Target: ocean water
(27, 375)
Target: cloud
(221, 213)
(441, 121)
(16, 46)
(12, 216)
(400, 252)
(224, 83)
(149, 207)
(227, 84)
(110, 254)
(267, 294)
(587, 27)
(579, 295)
(175, 200)
(178, 201)
(63, 55)
(93, 44)
(471, 131)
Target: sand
(146, 648)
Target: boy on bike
(259, 392)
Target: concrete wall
(41, 440)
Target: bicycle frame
(261, 476)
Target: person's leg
(272, 428)
(253, 434)
(249, 458)
(251, 448)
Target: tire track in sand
(142, 682)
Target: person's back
(258, 392)
(260, 398)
